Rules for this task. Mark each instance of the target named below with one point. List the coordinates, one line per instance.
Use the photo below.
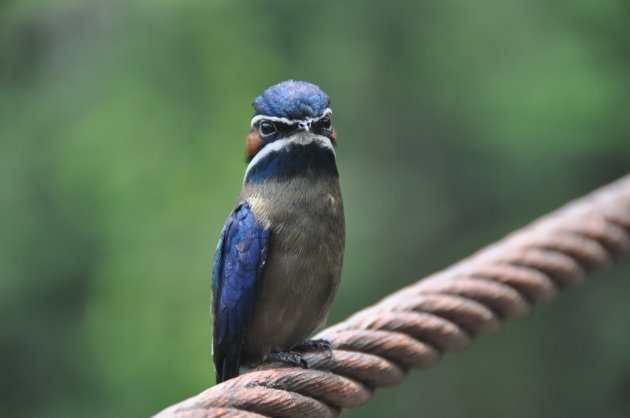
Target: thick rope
(413, 327)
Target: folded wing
(238, 265)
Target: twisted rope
(412, 327)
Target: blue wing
(238, 263)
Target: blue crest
(292, 100)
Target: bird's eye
(267, 128)
(325, 122)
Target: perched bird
(278, 261)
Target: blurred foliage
(122, 127)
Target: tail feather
(227, 364)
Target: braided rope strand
(412, 327)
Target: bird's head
(291, 133)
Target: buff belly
(303, 267)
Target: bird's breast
(305, 216)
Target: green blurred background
(122, 127)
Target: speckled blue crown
(292, 100)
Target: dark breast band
(294, 160)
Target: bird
(279, 258)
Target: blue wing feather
(238, 263)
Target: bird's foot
(313, 346)
(293, 358)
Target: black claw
(313, 345)
(303, 363)
(293, 358)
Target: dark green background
(122, 127)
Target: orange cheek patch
(254, 143)
(333, 137)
